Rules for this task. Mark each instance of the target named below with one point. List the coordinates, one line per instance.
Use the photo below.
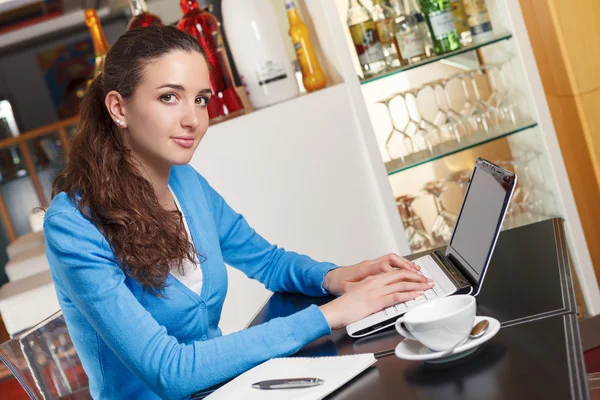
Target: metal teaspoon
(479, 329)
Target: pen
(384, 353)
(292, 383)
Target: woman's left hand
(342, 280)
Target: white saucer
(412, 350)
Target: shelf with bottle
(391, 36)
(276, 51)
(429, 198)
(435, 58)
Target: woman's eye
(168, 98)
(202, 101)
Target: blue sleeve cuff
(308, 325)
(317, 277)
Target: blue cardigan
(134, 345)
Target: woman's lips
(184, 142)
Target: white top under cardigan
(193, 273)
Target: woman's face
(166, 116)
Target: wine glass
(427, 134)
(505, 109)
(418, 239)
(444, 222)
(398, 144)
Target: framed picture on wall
(66, 69)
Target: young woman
(137, 241)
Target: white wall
(303, 185)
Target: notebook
(335, 370)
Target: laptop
(461, 269)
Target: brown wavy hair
(103, 178)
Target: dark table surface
(529, 275)
(536, 354)
(524, 361)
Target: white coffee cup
(440, 324)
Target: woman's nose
(190, 119)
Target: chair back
(44, 361)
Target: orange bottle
(313, 77)
(98, 39)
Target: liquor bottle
(98, 40)
(409, 36)
(411, 7)
(202, 25)
(313, 77)
(140, 15)
(478, 19)
(365, 39)
(259, 51)
(460, 19)
(384, 17)
(438, 15)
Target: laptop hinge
(451, 270)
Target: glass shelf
(422, 157)
(462, 50)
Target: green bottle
(438, 14)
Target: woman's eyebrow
(172, 86)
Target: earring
(120, 123)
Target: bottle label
(442, 23)
(301, 56)
(366, 41)
(411, 44)
(477, 16)
(385, 30)
(483, 28)
(270, 72)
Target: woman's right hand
(373, 294)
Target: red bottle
(141, 16)
(225, 102)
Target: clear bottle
(98, 40)
(460, 19)
(384, 18)
(313, 77)
(140, 15)
(479, 20)
(411, 7)
(365, 39)
(438, 15)
(409, 36)
(199, 23)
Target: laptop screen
(480, 218)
